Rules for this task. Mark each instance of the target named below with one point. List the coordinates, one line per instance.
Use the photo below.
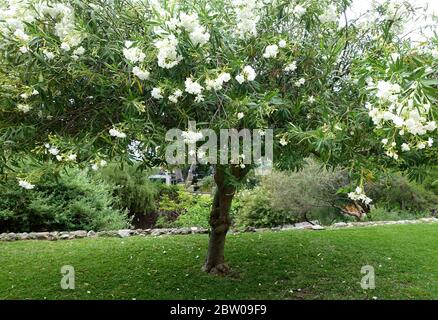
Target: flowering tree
(86, 82)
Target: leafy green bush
(207, 184)
(384, 214)
(197, 214)
(135, 191)
(255, 209)
(73, 202)
(398, 193)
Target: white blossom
(271, 51)
(156, 93)
(359, 195)
(118, 134)
(25, 184)
(141, 74)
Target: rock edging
(124, 233)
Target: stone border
(124, 233)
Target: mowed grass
(271, 265)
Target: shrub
(133, 189)
(384, 214)
(398, 193)
(73, 202)
(255, 209)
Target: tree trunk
(220, 222)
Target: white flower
(217, 84)
(133, 54)
(35, 92)
(387, 90)
(240, 78)
(291, 67)
(175, 96)
(247, 17)
(311, 99)
(405, 147)
(117, 134)
(49, 55)
(72, 157)
(24, 49)
(299, 10)
(283, 142)
(54, 151)
(240, 115)
(141, 74)
(65, 46)
(430, 142)
(103, 163)
(95, 167)
(193, 87)
(421, 145)
(271, 51)
(25, 185)
(300, 82)
(79, 51)
(384, 141)
(282, 43)
(156, 93)
(167, 55)
(330, 15)
(128, 44)
(358, 194)
(248, 74)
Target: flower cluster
(359, 195)
(405, 115)
(247, 74)
(217, 84)
(330, 15)
(167, 56)
(197, 33)
(271, 51)
(247, 17)
(194, 88)
(133, 54)
(99, 164)
(116, 133)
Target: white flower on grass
(240, 115)
(118, 134)
(291, 67)
(311, 99)
(141, 74)
(25, 185)
(72, 157)
(358, 194)
(271, 51)
(282, 43)
(156, 93)
(24, 49)
(78, 52)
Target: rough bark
(220, 222)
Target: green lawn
(272, 265)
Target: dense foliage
(72, 202)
